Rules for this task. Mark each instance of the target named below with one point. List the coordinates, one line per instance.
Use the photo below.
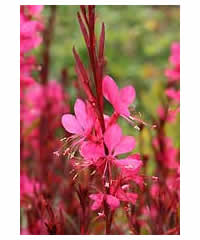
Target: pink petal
(71, 124)
(127, 95)
(173, 94)
(98, 200)
(112, 201)
(112, 137)
(90, 150)
(121, 107)
(126, 196)
(132, 197)
(110, 89)
(126, 144)
(35, 9)
(129, 164)
(81, 113)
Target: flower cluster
(173, 74)
(101, 151)
(30, 38)
(37, 99)
(48, 100)
(41, 107)
(97, 142)
(165, 193)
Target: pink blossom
(113, 199)
(128, 197)
(28, 186)
(98, 198)
(120, 99)
(35, 10)
(155, 190)
(169, 115)
(168, 157)
(83, 121)
(173, 94)
(115, 142)
(129, 169)
(29, 34)
(174, 73)
(30, 38)
(173, 183)
(40, 100)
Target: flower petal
(112, 137)
(91, 150)
(126, 144)
(112, 201)
(98, 200)
(129, 164)
(127, 94)
(81, 113)
(132, 197)
(110, 89)
(126, 196)
(121, 107)
(71, 124)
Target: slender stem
(96, 59)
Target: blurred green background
(138, 40)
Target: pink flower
(115, 142)
(113, 199)
(174, 73)
(120, 99)
(173, 94)
(130, 168)
(56, 97)
(82, 123)
(98, 198)
(35, 10)
(29, 34)
(126, 196)
(169, 116)
(154, 191)
(28, 186)
(173, 183)
(168, 157)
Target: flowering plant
(80, 170)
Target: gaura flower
(174, 73)
(82, 122)
(28, 186)
(173, 94)
(98, 198)
(119, 98)
(113, 199)
(35, 10)
(115, 142)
